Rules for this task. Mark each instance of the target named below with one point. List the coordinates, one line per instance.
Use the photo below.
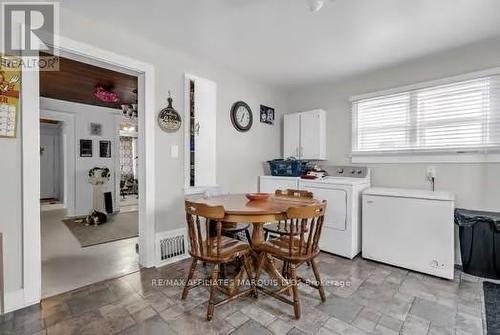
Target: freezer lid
(410, 193)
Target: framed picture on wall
(105, 149)
(85, 148)
(266, 114)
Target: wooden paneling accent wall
(76, 82)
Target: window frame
(472, 155)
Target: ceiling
(77, 82)
(282, 43)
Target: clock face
(241, 116)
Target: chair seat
(230, 248)
(279, 248)
(279, 229)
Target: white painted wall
(477, 186)
(83, 116)
(239, 155)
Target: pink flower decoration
(105, 95)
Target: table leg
(268, 266)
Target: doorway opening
(51, 167)
(89, 174)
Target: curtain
(128, 156)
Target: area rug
(492, 304)
(120, 226)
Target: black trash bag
(479, 233)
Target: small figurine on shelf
(97, 178)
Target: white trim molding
(423, 158)
(30, 147)
(31, 171)
(14, 300)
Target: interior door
(336, 209)
(291, 135)
(47, 166)
(310, 139)
(205, 129)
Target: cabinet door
(205, 122)
(291, 135)
(313, 135)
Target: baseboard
(14, 300)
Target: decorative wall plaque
(169, 119)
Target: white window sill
(418, 158)
(196, 190)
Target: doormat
(119, 227)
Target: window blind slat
(446, 117)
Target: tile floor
(67, 266)
(368, 298)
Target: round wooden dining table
(239, 209)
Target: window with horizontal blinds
(462, 116)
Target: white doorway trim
(31, 162)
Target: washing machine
(342, 190)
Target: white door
(291, 135)
(336, 208)
(310, 135)
(205, 124)
(47, 166)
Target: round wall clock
(169, 119)
(241, 116)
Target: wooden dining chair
(282, 228)
(239, 231)
(207, 244)
(301, 245)
(294, 193)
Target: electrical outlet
(430, 172)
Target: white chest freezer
(412, 229)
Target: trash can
(479, 242)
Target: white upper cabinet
(200, 130)
(304, 135)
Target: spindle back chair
(301, 245)
(207, 244)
